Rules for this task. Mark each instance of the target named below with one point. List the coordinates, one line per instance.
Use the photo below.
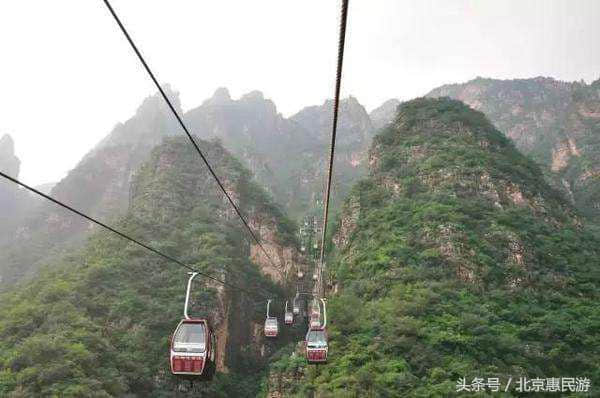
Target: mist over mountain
(98, 185)
(286, 156)
(384, 113)
(554, 122)
(9, 163)
(46, 188)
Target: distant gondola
(288, 316)
(296, 306)
(271, 324)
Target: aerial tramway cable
(336, 103)
(185, 129)
(123, 235)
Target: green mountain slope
(453, 259)
(97, 325)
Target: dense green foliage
(439, 279)
(98, 324)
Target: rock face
(452, 256)
(9, 163)
(287, 156)
(555, 122)
(14, 202)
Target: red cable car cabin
(193, 349)
(271, 327)
(289, 318)
(316, 345)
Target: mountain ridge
(557, 123)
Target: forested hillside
(453, 259)
(97, 324)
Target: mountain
(97, 324)
(452, 259)
(557, 123)
(354, 134)
(98, 185)
(9, 164)
(287, 155)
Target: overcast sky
(67, 76)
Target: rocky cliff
(9, 163)
(287, 156)
(14, 202)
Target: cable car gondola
(296, 305)
(289, 316)
(271, 324)
(317, 347)
(193, 345)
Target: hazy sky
(67, 76)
